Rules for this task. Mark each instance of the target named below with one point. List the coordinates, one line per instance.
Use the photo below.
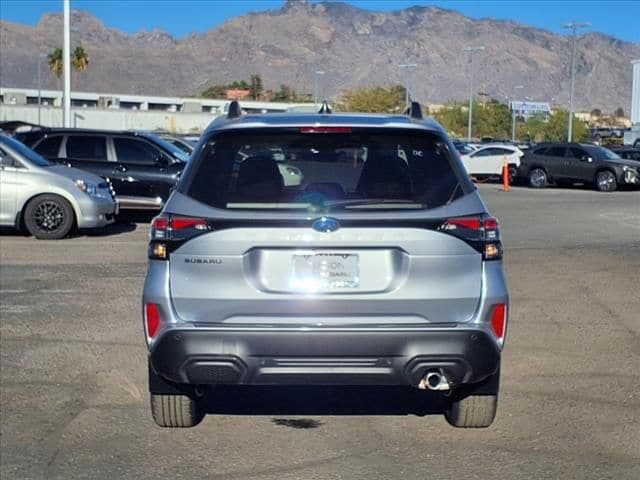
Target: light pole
(407, 87)
(513, 112)
(471, 51)
(315, 94)
(573, 26)
(41, 56)
(66, 61)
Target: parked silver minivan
(383, 267)
(47, 199)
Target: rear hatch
(369, 238)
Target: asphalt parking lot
(73, 370)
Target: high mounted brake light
(168, 232)
(481, 232)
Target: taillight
(151, 319)
(499, 321)
(481, 232)
(169, 231)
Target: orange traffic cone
(505, 174)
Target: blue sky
(618, 18)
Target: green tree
(54, 60)
(596, 112)
(241, 85)
(619, 112)
(79, 60)
(284, 94)
(255, 86)
(376, 99)
(215, 91)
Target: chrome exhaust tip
(434, 381)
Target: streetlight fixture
(471, 51)
(407, 67)
(513, 112)
(41, 56)
(573, 26)
(315, 92)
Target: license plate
(313, 272)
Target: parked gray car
(49, 199)
(384, 269)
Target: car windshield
(25, 152)
(285, 169)
(175, 151)
(606, 153)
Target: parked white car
(488, 161)
(49, 199)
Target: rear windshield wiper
(371, 202)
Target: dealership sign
(529, 109)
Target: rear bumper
(313, 356)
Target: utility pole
(471, 51)
(66, 60)
(315, 94)
(41, 56)
(407, 82)
(573, 26)
(513, 112)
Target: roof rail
(234, 110)
(325, 108)
(414, 111)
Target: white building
(116, 111)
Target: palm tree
(54, 60)
(79, 60)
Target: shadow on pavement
(321, 400)
(113, 229)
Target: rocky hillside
(353, 46)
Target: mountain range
(353, 46)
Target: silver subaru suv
(383, 267)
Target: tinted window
(540, 151)
(601, 152)
(577, 153)
(363, 169)
(630, 155)
(131, 150)
(555, 152)
(87, 147)
(483, 153)
(49, 147)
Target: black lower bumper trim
(323, 357)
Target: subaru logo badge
(325, 224)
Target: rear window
(285, 169)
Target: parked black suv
(577, 163)
(141, 167)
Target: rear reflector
(325, 129)
(499, 321)
(152, 319)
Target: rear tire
(175, 411)
(474, 411)
(49, 217)
(538, 178)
